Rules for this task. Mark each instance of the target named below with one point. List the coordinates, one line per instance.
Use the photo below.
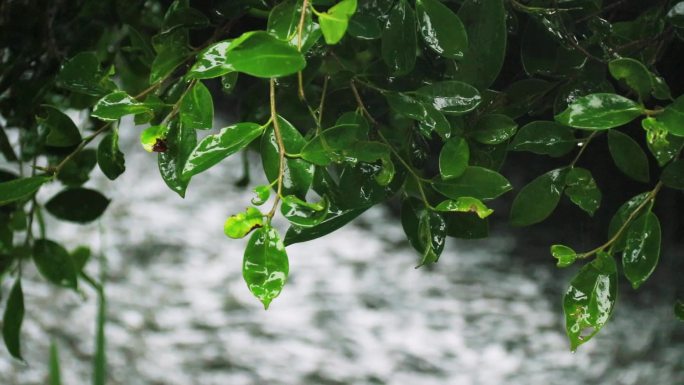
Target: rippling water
(354, 311)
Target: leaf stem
(300, 31)
(583, 148)
(281, 149)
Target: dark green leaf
(634, 73)
(55, 263)
(476, 182)
(334, 220)
(676, 14)
(197, 108)
(61, 130)
(241, 224)
(117, 105)
(172, 51)
(628, 156)
(544, 138)
(590, 299)
(454, 158)
(265, 266)
(262, 55)
(494, 129)
(180, 14)
(672, 117)
(620, 218)
(80, 205)
(180, 142)
(19, 189)
(425, 229)
(441, 29)
(212, 149)
(673, 175)
(12, 320)
(600, 112)
(399, 41)
(466, 226)
(83, 74)
(539, 198)
(364, 26)
(642, 249)
(451, 97)
(581, 188)
(679, 310)
(77, 170)
(109, 157)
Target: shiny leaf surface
(642, 249)
(265, 266)
(537, 200)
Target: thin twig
(281, 150)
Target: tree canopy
(350, 105)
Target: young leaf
(642, 249)
(180, 142)
(590, 299)
(454, 158)
(302, 213)
(19, 189)
(673, 175)
(262, 55)
(494, 129)
(117, 105)
(334, 23)
(537, 200)
(212, 149)
(61, 130)
(634, 73)
(241, 224)
(451, 97)
(283, 23)
(399, 40)
(465, 205)
(80, 205)
(600, 112)
(265, 266)
(109, 157)
(12, 320)
(581, 188)
(628, 156)
(565, 255)
(544, 138)
(153, 138)
(197, 108)
(441, 29)
(55, 263)
(425, 229)
(672, 117)
(477, 182)
(262, 194)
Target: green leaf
(334, 144)
(12, 320)
(663, 145)
(485, 24)
(117, 105)
(679, 309)
(600, 112)
(19, 189)
(283, 23)
(494, 129)
(80, 205)
(361, 185)
(77, 171)
(673, 175)
(180, 14)
(262, 194)
(153, 138)
(54, 263)
(425, 229)
(241, 224)
(676, 15)
(620, 218)
(302, 213)
(441, 28)
(212, 62)
(466, 226)
(634, 73)
(628, 156)
(406, 105)
(451, 97)
(642, 249)
(55, 370)
(477, 182)
(212, 149)
(454, 158)
(265, 266)
(298, 173)
(172, 51)
(544, 138)
(565, 255)
(335, 21)
(672, 117)
(590, 299)
(537, 200)
(399, 41)
(262, 55)
(82, 74)
(109, 157)
(61, 130)
(581, 188)
(434, 121)
(334, 219)
(180, 142)
(465, 205)
(197, 108)
(364, 26)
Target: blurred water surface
(355, 311)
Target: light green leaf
(600, 112)
(465, 205)
(672, 117)
(197, 108)
(212, 62)
(260, 54)
(537, 200)
(265, 265)
(565, 255)
(241, 224)
(303, 214)
(55, 370)
(335, 21)
(262, 194)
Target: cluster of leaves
(349, 105)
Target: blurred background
(355, 311)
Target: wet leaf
(476, 182)
(117, 105)
(600, 112)
(212, 62)
(537, 200)
(197, 108)
(454, 158)
(283, 23)
(465, 205)
(633, 73)
(399, 40)
(109, 157)
(241, 224)
(642, 249)
(335, 21)
(262, 194)
(451, 97)
(425, 230)
(673, 175)
(82, 74)
(581, 188)
(334, 220)
(61, 130)
(262, 55)
(303, 214)
(565, 255)
(179, 144)
(672, 117)
(494, 129)
(590, 299)
(544, 138)
(265, 265)
(441, 28)
(620, 218)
